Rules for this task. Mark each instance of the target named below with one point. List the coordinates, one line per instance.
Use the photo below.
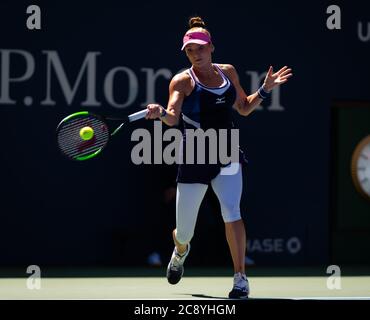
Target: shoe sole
(238, 298)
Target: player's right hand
(154, 111)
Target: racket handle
(137, 115)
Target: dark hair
(196, 22)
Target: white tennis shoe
(175, 268)
(241, 287)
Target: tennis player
(204, 96)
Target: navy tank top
(208, 107)
(205, 108)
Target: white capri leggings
(228, 189)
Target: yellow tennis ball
(86, 133)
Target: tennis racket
(83, 135)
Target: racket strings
(73, 146)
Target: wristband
(262, 93)
(163, 112)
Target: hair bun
(196, 22)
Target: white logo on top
(220, 100)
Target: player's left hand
(273, 80)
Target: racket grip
(137, 115)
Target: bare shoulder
(229, 70)
(182, 82)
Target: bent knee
(231, 216)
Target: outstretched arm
(245, 104)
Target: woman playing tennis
(204, 96)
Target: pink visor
(195, 37)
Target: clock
(360, 167)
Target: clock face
(361, 167)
